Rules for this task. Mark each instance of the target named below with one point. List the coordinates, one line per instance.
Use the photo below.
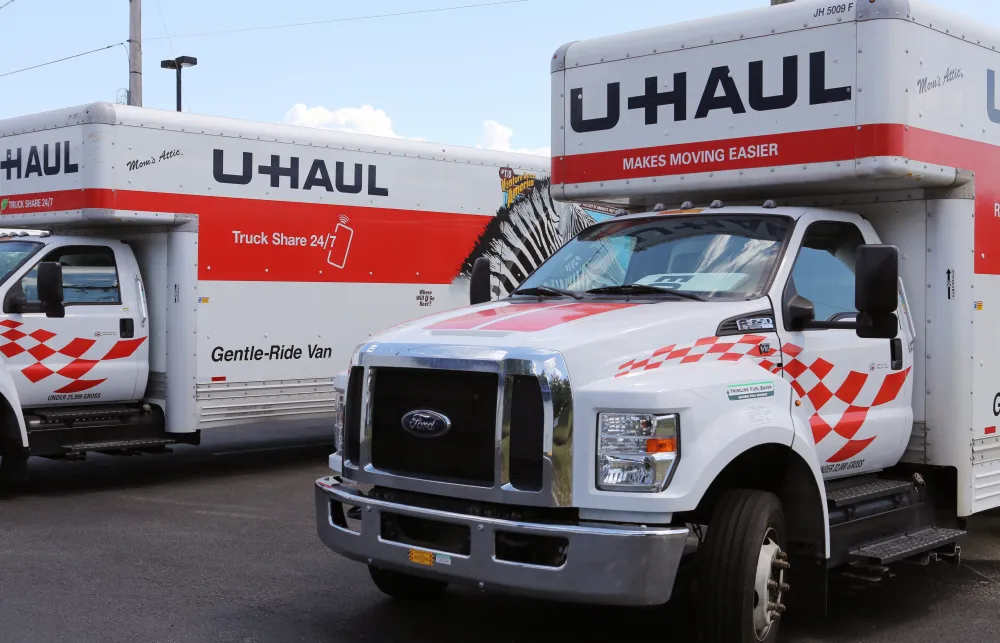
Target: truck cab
(772, 366)
(75, 347)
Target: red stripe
(387, 245)
(822, 146)
(553, 316)
(480, 317)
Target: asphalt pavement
(217, 543)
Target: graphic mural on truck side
(527, 229)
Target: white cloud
(497, 137)
(368, 120)
(357, 120)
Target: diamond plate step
(902, 547)
(108, 445)
(867, 491)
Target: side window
(90, 276)
(824, 269)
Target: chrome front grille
(513, 447)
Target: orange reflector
(661, 445)
(691, 211)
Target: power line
(286, 26)
(58, 60)
(354, 19)
(170, 44)
(4, 5)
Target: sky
(475, 76)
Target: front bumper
(602, 563)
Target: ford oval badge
(424, 423)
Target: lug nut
(784, 587)
(771, 606)
(780, 564)
(781, 555)
(772, 584)
(776, 616)
(781, 608)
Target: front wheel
(13, 470)
(404, 586)
(743, 570)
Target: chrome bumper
(606, 564)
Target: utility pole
(135, 53)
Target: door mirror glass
(479, 284)
(50, 288)
(876, 275)
(876, 291)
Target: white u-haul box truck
(782, 363)
(196, 272)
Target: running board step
(869, 490)
(113, 445)
(901, 547)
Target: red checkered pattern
(35, 344)
(838, 411)
(722, 349)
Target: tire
(13, 471)
(744, 546)
(405, 587)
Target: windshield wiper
(548, 290)
(639, 289)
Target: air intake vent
(352, 415)
(527, 428)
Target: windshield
(13, 254)
(715, 257)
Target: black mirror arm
(831, 325)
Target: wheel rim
(769, 585)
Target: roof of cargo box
(107, 165)
(114, 114)
(807, 97)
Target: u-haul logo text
(316, 177)
(720, 92)
(38, 160)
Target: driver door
(857, 391)
(91, 354)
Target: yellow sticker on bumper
(421, 557)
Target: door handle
(126, 328)
(896, 353)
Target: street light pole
(135, 53)
(178, 64)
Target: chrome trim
(557, 401)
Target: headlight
(338, 423)
(636, 451)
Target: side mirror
(479, 284)
(876, 294)
(14, 301)
(50, 288)
(799, 312)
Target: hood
(598, 339)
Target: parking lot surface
(218, 543)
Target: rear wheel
(742, 577)
(404, 586)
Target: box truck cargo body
(187, 272)
(777, 366)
